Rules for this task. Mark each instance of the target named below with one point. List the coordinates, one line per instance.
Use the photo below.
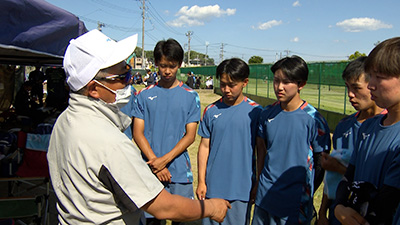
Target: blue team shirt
(232, 132)
(377, 154)
(166, 113)
(343, 140)
(128, 110)
(286, 183)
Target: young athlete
(292, 135)
(335, 164)
(228, 129)
(369, 192)
(166, 116)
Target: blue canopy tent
(35, 32)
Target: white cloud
(295, 39)
(362, 24)
(267, 25)
(296, 3)
(197, 16)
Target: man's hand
(322, 220)
(253, 193)
(164, 175)
(220, 208)
(201, 191)
(331, 164)
(348, 216)
(157, 164)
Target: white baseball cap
(89, 53)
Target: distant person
(24, 103)
(57, 89)
(149, 78)
(138, 78)
(227, 149)
(198, 82)
(97, 173)
(190, 80)
(165, 123)
(291, 136)
(344, 137)
(370, 190)
(209, 83)
(37, 77)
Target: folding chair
(28, 193)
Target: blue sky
(316, 30)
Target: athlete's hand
(157, 164)
(220, 208)
(164, 175)
(201, 191)
(322, 220)
(330, 163)
(253, 194)
(348, 216)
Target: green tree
(200, 57)
(356, 55)
(255, 59)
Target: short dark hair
(294, 67)
(235, 68)
(355, 69)
(385, 58)
(170, 49)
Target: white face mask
(122, 96)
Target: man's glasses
(126, 77)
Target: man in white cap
(97, 173)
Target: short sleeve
(138, 108)
(392, 177)
(131, 173)
(194, 110)
(204, 128)
(323, 138)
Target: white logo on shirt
(347, 134)
(270, 120)
(365, 135)
(151, 98)
(216, 116)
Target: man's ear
(92, 89)
(245, 82)
(302, 84)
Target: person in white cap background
(97, 173)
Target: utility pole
(143, 18)
(206, 58)
(221, 55)
(287, 52)
(189, 35)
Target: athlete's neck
(393, 115)
(237, 101)
(368, 113)
(292, 104)
(169, 85)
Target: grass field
(207, 97)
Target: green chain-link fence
(325, 88)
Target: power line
(161, 20)
(116, 7)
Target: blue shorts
(239, 214)
(262, 217)
(185, 190)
